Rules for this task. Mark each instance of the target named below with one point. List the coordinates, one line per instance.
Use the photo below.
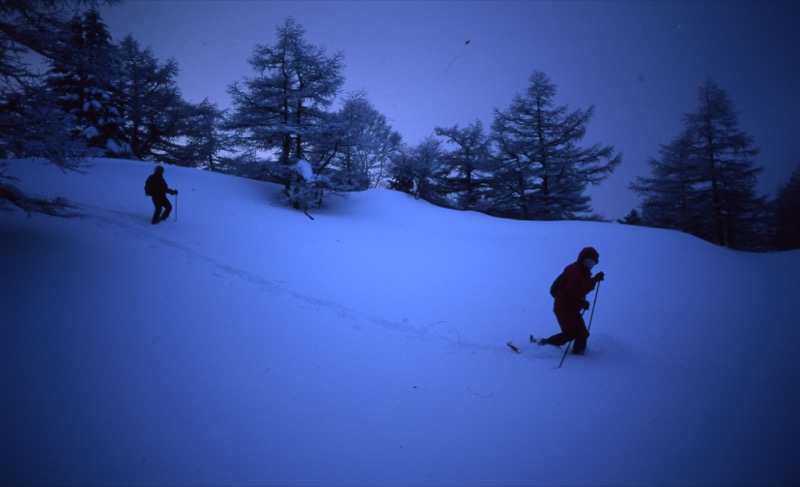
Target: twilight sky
(639, 63)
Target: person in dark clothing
(156, 187)
(569, 298)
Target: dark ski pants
(162, 208)
(572, 328)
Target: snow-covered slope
(248, 344)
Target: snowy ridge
(247, 344)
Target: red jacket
(576, 283)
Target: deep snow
(248, 344)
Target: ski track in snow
(446, 333)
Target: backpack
(557, 284)
(148, 186)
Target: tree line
(289, 123)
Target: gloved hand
(600, 276)
(585, 304)
(174, 191)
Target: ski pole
(176, 206)
(594, 302)
(591, 316)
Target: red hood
(588, 252)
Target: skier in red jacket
(569, 293)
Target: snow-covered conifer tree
(156, 116)
(463, 171)
(33, 123)
(704, 181)
(786, 209)
(365, 144)
(542, 172)
(412, 170)
(282, 110)
(83, 78)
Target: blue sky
(639, 63)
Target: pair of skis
(516, 349)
